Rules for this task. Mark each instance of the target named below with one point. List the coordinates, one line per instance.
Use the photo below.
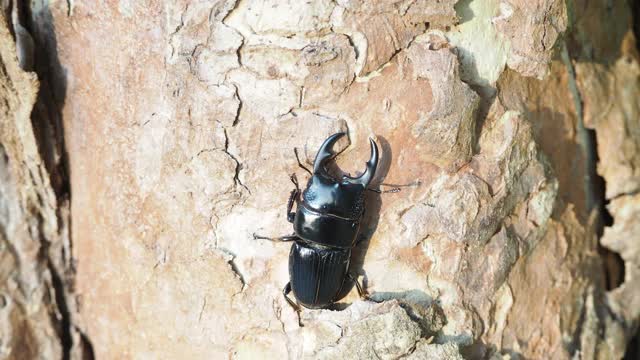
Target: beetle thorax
(329, 196)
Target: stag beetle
(325, 224)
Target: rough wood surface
(180, 120)
(29, 224)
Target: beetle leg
(280, 238)
(296, 307)
(292, 198)
(363, 294)
(295, 150)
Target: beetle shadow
(369, 223)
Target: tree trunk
(154, 139)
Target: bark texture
(35, 258)
(27, 324)
(514, 124)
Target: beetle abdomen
(317, 273)
(325, 229)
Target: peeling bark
(34, 220)
(172, 127)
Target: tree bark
(152, 140)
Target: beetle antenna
(294, 180)
(416, 183)
(295, 150)
(396, 187)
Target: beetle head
(326, 153)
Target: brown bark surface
(170, 126)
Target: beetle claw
(372, 165)
(370, 170)
(325, 153)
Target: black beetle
(326, 225)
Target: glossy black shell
(317, 274)
(326, 223)
(330, 212)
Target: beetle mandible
(326, 224)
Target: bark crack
(236, 176)
(234, 267)
(594, 184)
(47, 126)
(66, 338)
(204, 304)
(585, 142)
